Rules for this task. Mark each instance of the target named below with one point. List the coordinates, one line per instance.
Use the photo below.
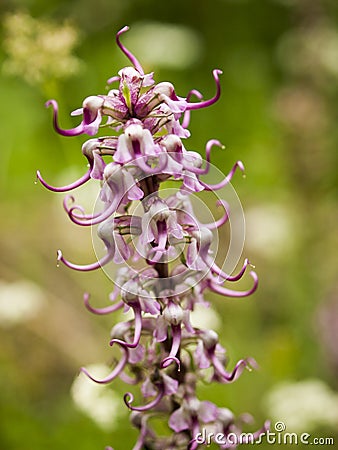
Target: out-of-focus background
(278, 114)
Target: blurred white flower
(97, 401)
(19, 301)
(303, 406)
(311, 50)
(269, 230)
(205, 318)
(39, 49)
(182, 45)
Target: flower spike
(165, 253)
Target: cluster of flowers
(159, 348)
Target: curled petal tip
(214, 187)
(123, 30)
(113, 374)
(254, 276)
(66, 188)
(71, 132)
(58, 258)
(166, 362)
(100, 311)
(88, 267)
(251, 364)
(128, 54)
(113, 79)
(215, 287)
(50, 102)
(206, 103)
(68, 198)
(247, 263)
(221, 202)
(240, 165)
(128, 399)
(38, 177)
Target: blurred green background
(278, 114)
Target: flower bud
(203, 236)
(88, 147)
(225, 416)
(129, 292)
(173, 314)
(159, 211)
(131, 73)
(134, 131)
(91, 106)
(210, 339)
(164, 88)
(173, 143)
(105, 231)
(93, 102)
(194, 158)
(193, 405)
(112, 170)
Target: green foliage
(262, 118)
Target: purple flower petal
(207, 412)
(161, 330)
(148, 389)
(179, 420)
(170, 385)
